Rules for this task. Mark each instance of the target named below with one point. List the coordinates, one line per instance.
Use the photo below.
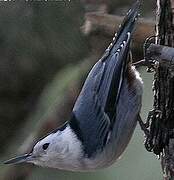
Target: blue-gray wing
(95, 108)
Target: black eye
(45, 146)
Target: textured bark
(160, 139)
(162, 54)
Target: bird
(105, 113)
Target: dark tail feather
(121, 47)
(127, 25)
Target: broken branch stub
(162, 54)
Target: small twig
(140, 63)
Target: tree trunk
(160, 139)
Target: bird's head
(44, 151)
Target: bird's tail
(117, 56)
(127, 26)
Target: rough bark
(162, 54)
(160, 139)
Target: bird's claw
(144, 126)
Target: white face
(61, 150)
(47, 149)
(58, 150)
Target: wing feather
(95, 108)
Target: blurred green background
(45, 58)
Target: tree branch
(162, 54)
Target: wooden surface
(162, 54)
(160, 139)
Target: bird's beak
(19, 159)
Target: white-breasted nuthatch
(104, 116)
